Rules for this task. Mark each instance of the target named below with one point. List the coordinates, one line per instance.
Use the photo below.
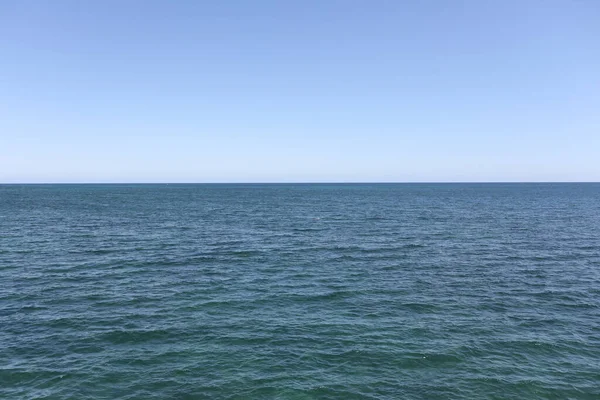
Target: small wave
(136, 336)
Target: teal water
(389, 291)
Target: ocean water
(341, 291)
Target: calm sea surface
(387, 291)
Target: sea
(300, 291)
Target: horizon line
(289, 182)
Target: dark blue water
(391, 291)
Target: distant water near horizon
(300, 291)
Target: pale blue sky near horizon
(299, 91)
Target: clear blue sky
(312, 90)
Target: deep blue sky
(199, 91)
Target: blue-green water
(407, 291)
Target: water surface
(350, 291)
